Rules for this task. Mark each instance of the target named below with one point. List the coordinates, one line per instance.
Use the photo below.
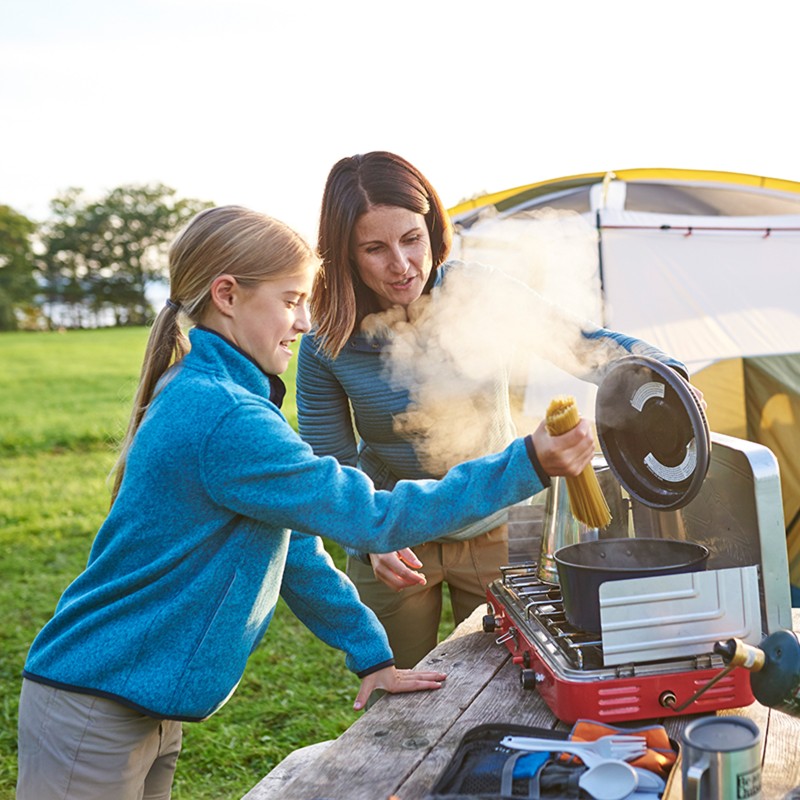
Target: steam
(455, 348)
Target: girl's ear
(224, 293)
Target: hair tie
(173, 305)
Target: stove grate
(540, 604)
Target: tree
(17, 283)
(100, 257)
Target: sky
(253, 101)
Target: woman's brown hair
(339, 300)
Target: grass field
(64, 403)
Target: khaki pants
(411, 616)
(81, 747)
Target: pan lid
(653, 432)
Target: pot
(584, 566)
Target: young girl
(217, 507)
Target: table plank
(272, 785)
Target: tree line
(92, 262)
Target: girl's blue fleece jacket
(219, 511)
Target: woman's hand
(567, 454)
(397, 570)
(699, 396)
(395, 680)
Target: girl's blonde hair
(227, 240)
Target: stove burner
(543, 605)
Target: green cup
(721, 759)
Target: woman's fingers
(391, 569)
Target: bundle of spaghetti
(586, 500)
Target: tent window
(573, 200)
(708, 201)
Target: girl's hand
(566, 454)
(395, 680)
(397, 570)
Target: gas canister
(774, 668)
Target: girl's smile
(264, 319)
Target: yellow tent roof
(630, 175)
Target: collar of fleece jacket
(275, 388)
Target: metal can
(777, 684)
(774, 668)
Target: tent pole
(603, 321)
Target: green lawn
(64, 403)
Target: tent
(703, 264)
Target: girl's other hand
(395, 680)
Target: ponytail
(166, 345)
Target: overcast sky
(252, 101)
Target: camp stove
(738, 515)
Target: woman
(384, 237)
(184, 574)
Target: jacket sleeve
(327, 603)
(323, 409)
(612, 341)
(254, 464)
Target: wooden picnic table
(401, 745)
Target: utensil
(613, 746)
(609, 780)
(649, 782)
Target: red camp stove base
(565, 665)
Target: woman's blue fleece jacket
(184, 574)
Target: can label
(748, 784)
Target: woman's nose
(399, 262)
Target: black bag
(483, 769)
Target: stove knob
(667, 699)
(527, 679)
(490, 623)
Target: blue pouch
(483, 769)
